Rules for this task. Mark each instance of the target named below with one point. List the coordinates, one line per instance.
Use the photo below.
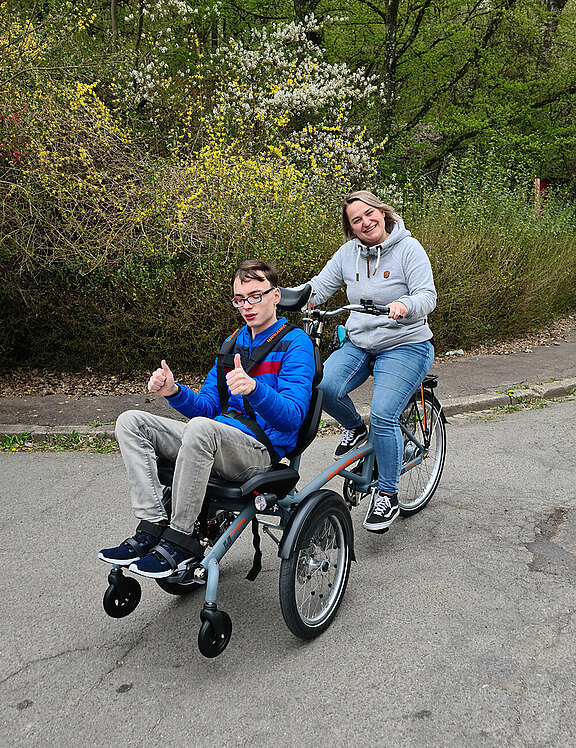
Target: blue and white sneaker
(163, 560)
(131, 549)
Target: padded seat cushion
(279, 481)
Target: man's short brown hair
(256, 270)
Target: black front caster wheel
(121, 602)
(214, 635)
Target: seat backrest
(310, 424)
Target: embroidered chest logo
(386, 273)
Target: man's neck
(254, 333)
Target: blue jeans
(397, 374)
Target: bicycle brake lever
(371, 308)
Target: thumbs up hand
(239, 383)
(162, 381)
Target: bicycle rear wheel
(421, 477)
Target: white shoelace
(382, 504)
(348, 436)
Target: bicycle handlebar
(294, 299)
(365, 308)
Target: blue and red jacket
(283, 388)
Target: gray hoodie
(396, 270)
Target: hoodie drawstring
(360, 248)
(377, 260)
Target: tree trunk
(114, 21)
(140, 25)
(554, 8)
(304, 9)
(390, 62)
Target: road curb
(451, 406)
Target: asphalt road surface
(457, 627)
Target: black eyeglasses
(254, 298)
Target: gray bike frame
(284, 508)
(246, 512)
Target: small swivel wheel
(215, 631)
(122, 596)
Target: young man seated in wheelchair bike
(244, 420)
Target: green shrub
(114, 258)
(111, 258)
(502, 265)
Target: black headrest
(293, 299)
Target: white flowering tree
(277, 95)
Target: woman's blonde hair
(390, 216)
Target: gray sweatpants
(199, 447)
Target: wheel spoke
(419, 482)
(319, 565)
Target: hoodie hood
(398, 233)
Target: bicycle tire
(314, 577)
(418, 484)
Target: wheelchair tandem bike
(311, 526)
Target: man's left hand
(239, 383)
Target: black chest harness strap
(225, 361)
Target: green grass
(501, 410)
(74, 442)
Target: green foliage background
(141, 158)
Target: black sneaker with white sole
(350, 438)
(382, 512)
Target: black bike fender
(301, 514)
(440, 408)
(435, 401)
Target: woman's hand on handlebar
(397, 310)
